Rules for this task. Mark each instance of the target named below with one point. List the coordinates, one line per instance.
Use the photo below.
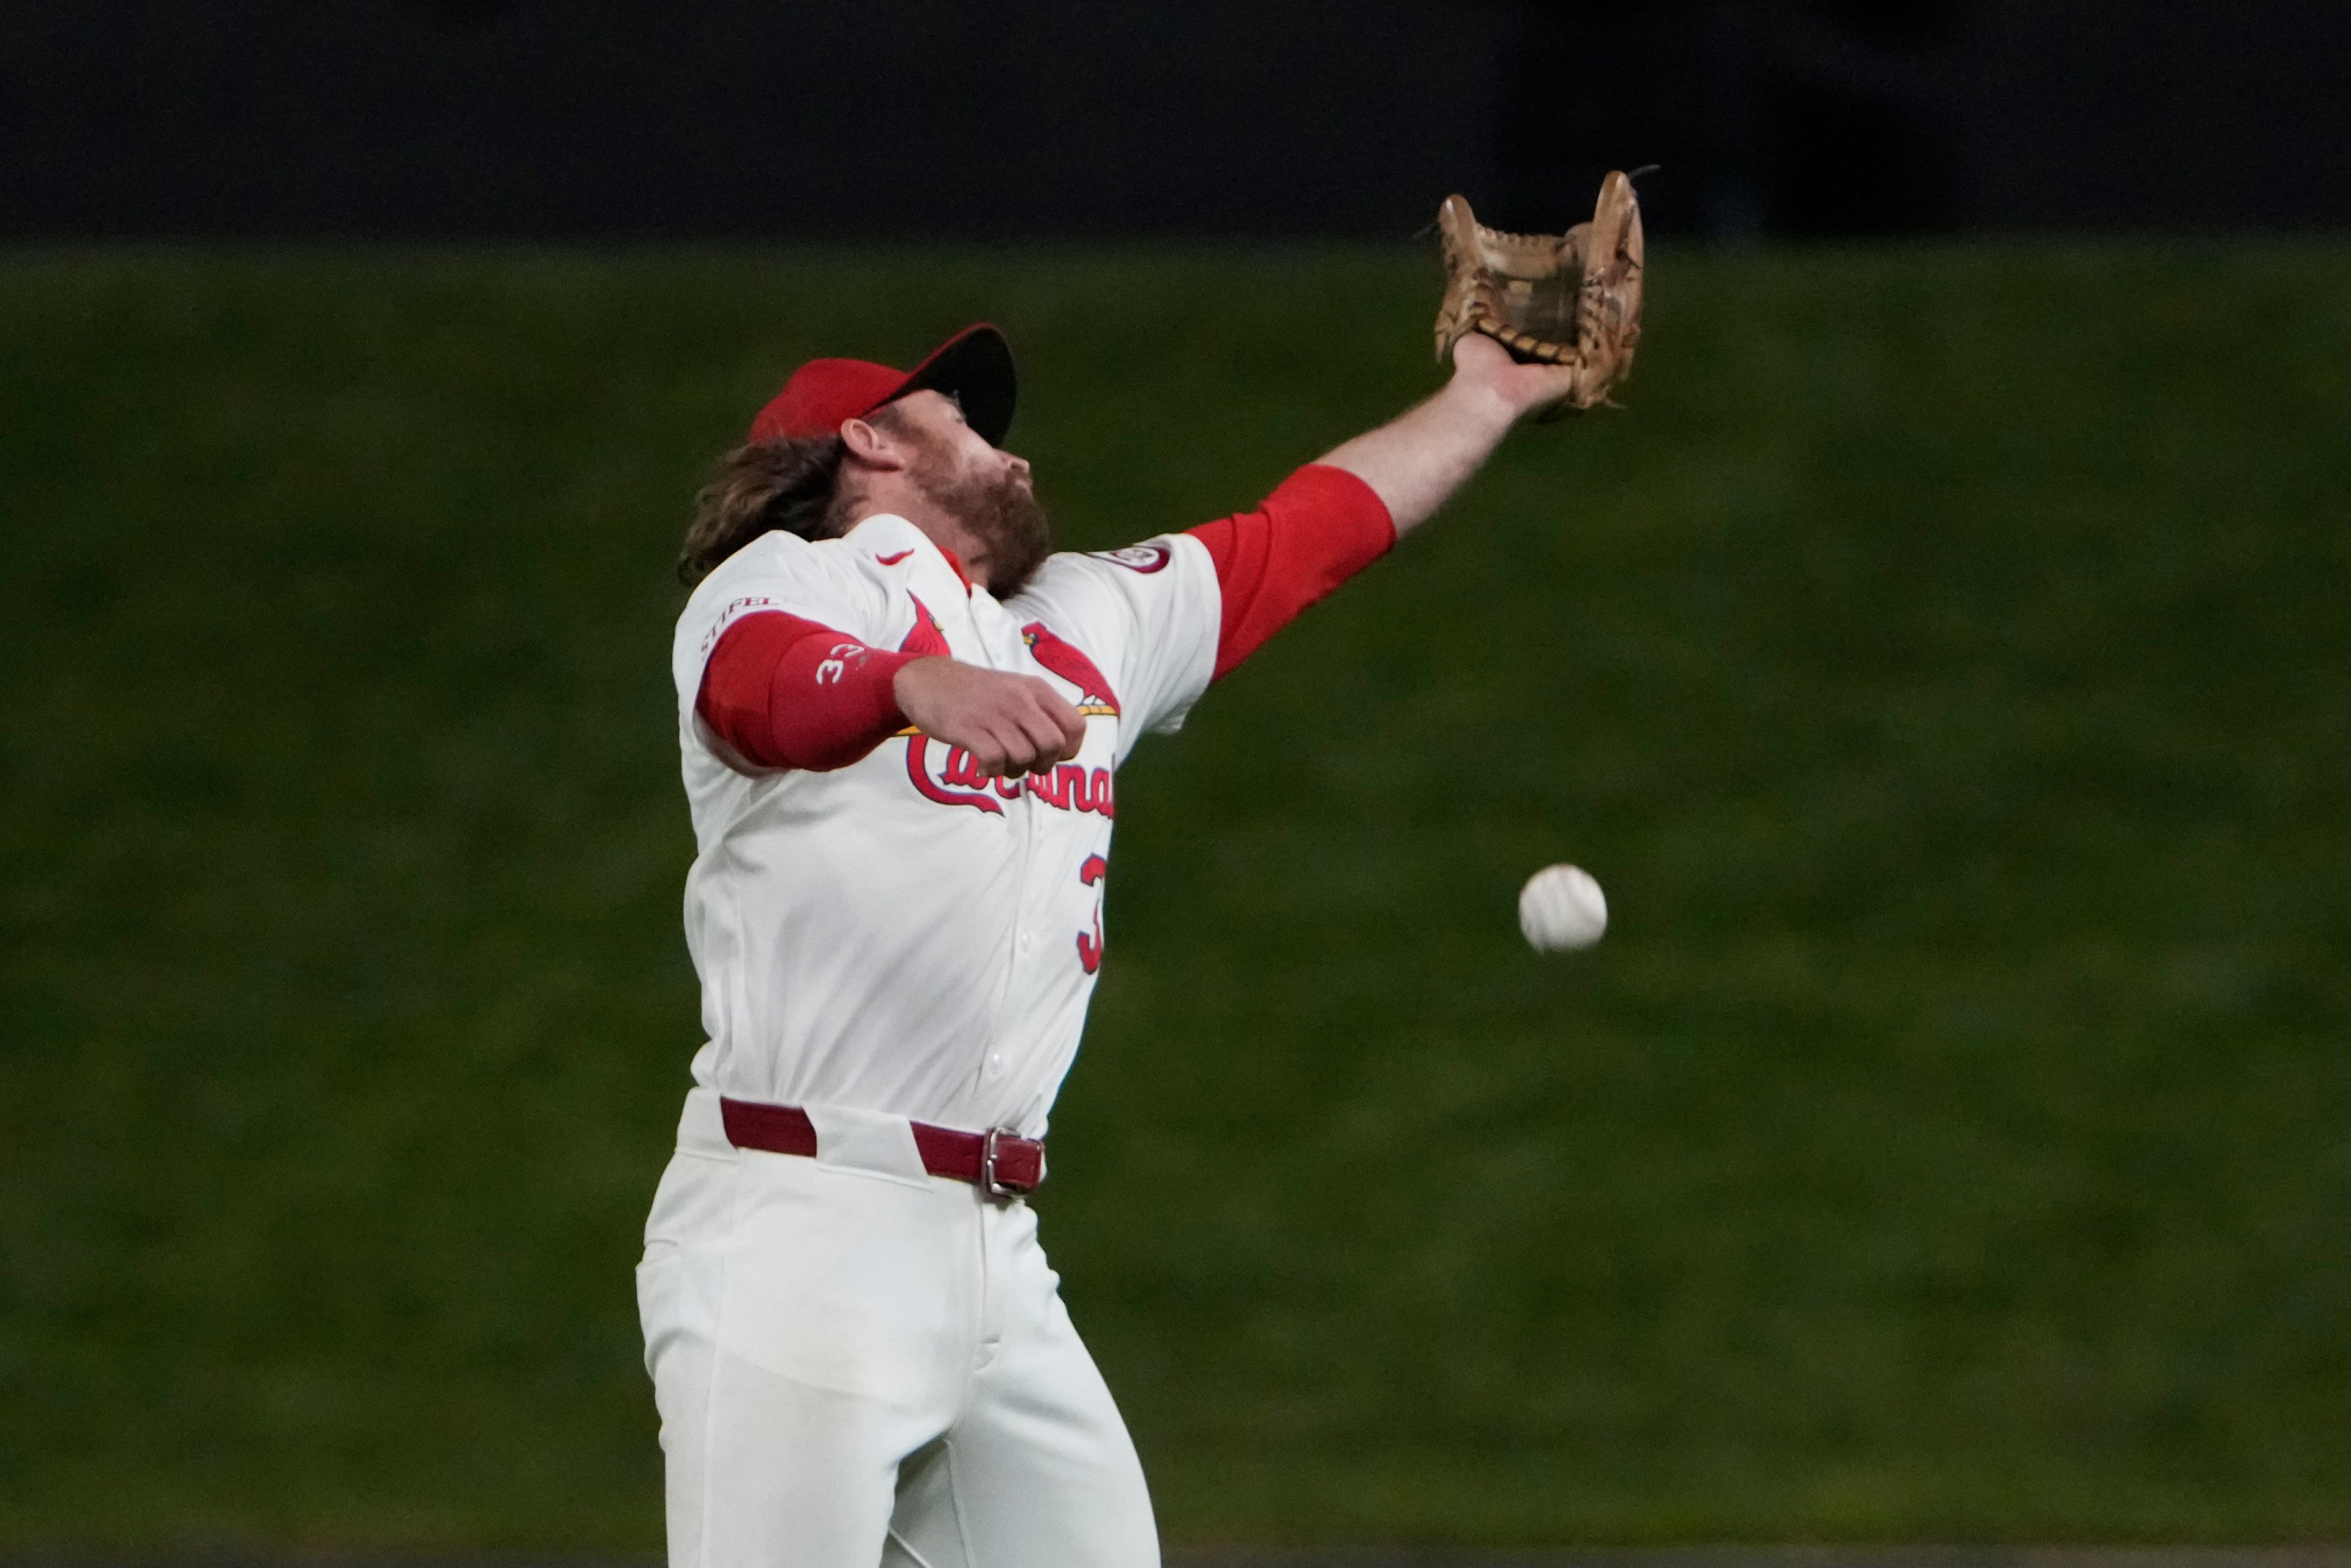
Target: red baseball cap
(974, 366)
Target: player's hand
(1483, 365)
(1011, 724)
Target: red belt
(996, 1162)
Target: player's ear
(871, 446)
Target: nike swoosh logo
(893, 559)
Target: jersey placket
(1018, 1003)
(1021, 814)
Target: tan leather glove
(1563, 300)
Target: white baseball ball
(1562, 909)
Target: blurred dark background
(1065, 118)
(1940, 659)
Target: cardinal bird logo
(924, 636)
(1095, 699)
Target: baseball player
(903, 718)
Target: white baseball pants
(859, 1364)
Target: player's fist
(1011, 724)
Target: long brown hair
(793, 484)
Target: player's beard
(1003, 512)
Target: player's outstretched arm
(1319, 528)
(1416, 461)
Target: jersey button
(1028, 943)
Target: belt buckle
(988, 1182)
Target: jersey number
(1090, 942)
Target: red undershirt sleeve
(789, 692)
(1318, 527)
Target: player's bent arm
(1011, 724)
(786, 692)
(782, 692)
(1417, 460)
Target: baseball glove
(1562, 299)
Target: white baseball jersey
(901, 934)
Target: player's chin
(1019, 538)
(1011, 568)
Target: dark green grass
(1942, 663)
